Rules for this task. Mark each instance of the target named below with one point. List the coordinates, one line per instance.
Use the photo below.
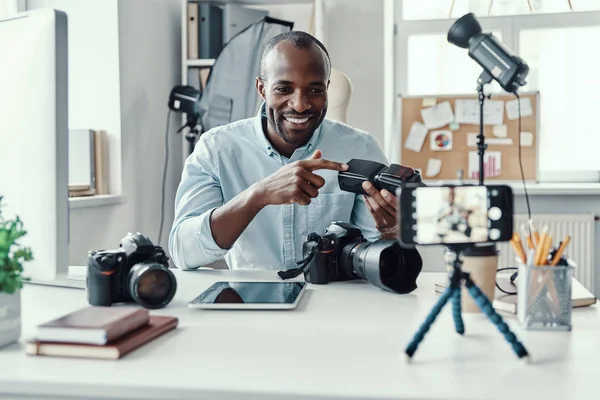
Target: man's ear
(260, 87)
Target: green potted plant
(12, 257)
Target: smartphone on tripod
(456, 214)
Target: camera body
(326, 264)
(380, 175)
(136, 271)
(342, 253)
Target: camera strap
(294, 272)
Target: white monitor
(34, 137)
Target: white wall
(354, 40)
(124, 59)
(94, 94)
(150, 58)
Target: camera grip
(318, 268)
(99, 291)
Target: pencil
(560, 251)
(518, 247)
(527, 237)
(539, 246)
(546, 250)
(535, 236)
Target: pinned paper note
(492, 164)
(434, 166)
(512, 108)
(437, 116)
(526, 139)
(429, 101)
(467, 112)
(441, 140)
(416, 137)
(454, 126)
(499, 141)
(500, 131)
(472, 139)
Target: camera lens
(381, 263)
(151, 285)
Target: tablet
(250, 295)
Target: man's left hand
(383, 206)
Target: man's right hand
(296, 182)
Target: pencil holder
(544, 297)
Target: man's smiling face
(295, 92)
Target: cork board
(448, 145)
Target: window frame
(511, 27)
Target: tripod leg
(456, 312)
(429, 320)
(486, 306)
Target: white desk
(346, 340)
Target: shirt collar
(264, 142)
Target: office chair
(340, 94)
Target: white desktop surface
(345, 340)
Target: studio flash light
(184, 99)
(500, 63)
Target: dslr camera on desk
(342, 253)
(138, 271)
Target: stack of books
(98, 332)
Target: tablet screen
(251, 293)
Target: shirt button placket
(288, 237)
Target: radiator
(581, 248)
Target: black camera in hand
(137, 271)
(342, 253)
(380, 175)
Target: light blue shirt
(229, 159)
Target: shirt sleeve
(191, 242)
(361, 216)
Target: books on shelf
(98, 332)
(580, 296)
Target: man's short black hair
(300, 40)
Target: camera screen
(451, 214)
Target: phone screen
(456, 214)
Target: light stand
(192, 134)
(453, 291)
(483, 79)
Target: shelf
(95, 201)
(205, 62)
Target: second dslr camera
(137, 271)
(342, 253)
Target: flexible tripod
(453, 292)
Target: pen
(530, 257)
(560, 251)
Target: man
(254, 189)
